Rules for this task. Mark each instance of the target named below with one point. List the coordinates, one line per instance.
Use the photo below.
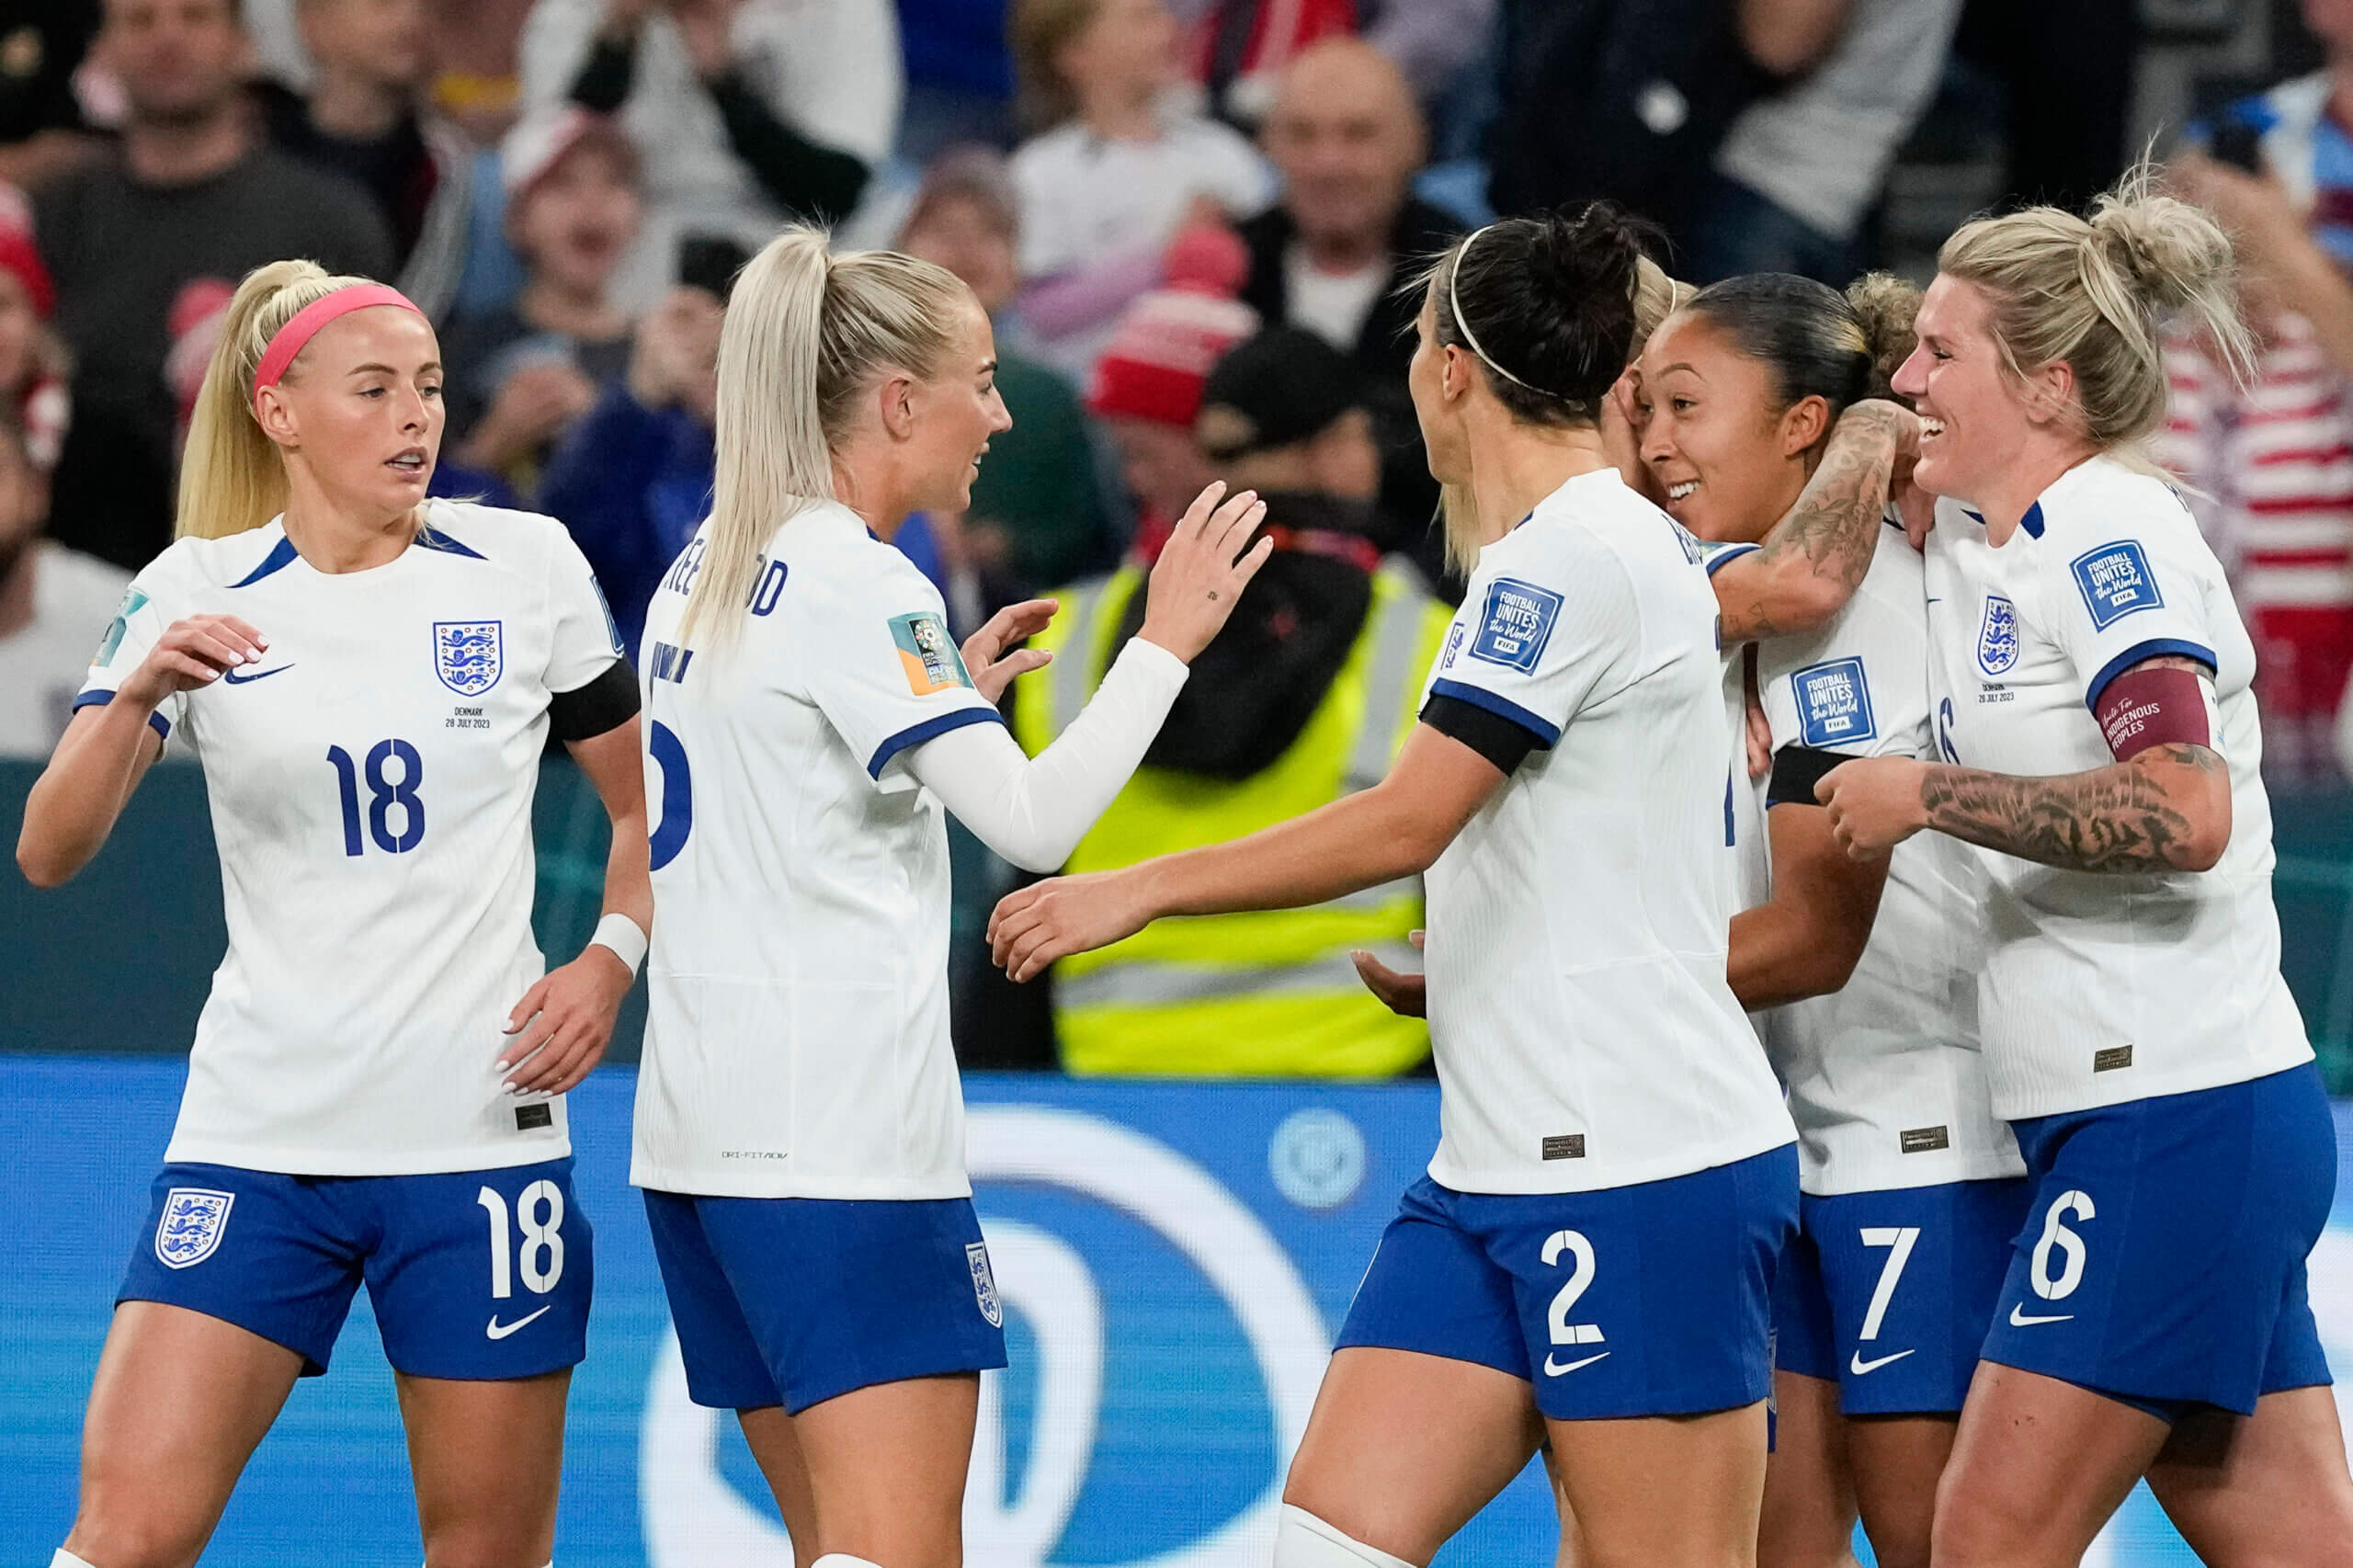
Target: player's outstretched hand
(1034, 926)
(994, 655)
(1407, 995)
(1874, 803)
(558, 1031)
(192, 652)
(1202, 570)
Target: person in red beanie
(34, 366)
(1146, 387)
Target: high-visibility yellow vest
(1262, 995)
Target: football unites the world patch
(2115, 581)
(1515, 623)
(194, 1218)
(927, 655)
(1998, 636)
(1834, 703)
(469, 655)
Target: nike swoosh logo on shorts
(239, 677)
(1860, 1367)
(498, 1330)
(1551, 1371)
(2018, 1320)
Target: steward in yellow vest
(1304, 697)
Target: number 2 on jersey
(385, 793)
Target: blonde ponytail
(231, 477)
(2097, 295)
(806, 331)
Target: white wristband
(624, 937)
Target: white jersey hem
(1991, 1165)
(868, 1190)
(340, 1162)
(1523, 1183)
(2016, 1107)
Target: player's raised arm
(1809, 565)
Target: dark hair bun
(1549, 304)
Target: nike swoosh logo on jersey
(1860, 1367)
(498, 1330)
(1551, 1370)
(239, 677)
(2018, 1319)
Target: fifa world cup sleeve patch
(1515, 623)
(2115, 581)
(1834, 703)
(929, 658)
(133, 601)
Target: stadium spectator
(1146, 388)
(54, 603)
(35, 368)
(520, 373)
(364, 117)
(960, 76)
(193, 198)
(1038, 514)
(41, 130)
(1302, 698)
(1348, 229)
(1116, 168)
(1241, 49)
(631, 481)
(747, 112)
(1800, 171)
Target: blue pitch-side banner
(1174, 1259)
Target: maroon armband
(2152, 706)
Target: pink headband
(292, 338)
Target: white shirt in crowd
(1332, 305)
(1083, 197)
(44, 661)
(831, 69)
(371, 782)
(1585, 1034)
(797, 1040)
(2106, 987)
(1884, 1078)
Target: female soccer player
(1615, 1173)
(800, 1127)
(1910, 1186)
(376, 1089)
(2099, 739)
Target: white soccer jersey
(1884, 1078)
(797, 1045)
(371, 780)
(2102, 987)
(1584, 1035)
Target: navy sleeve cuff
(100, 697)
(1546, 733)
(2154, 648)
(931, 729)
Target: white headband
(1462, 323)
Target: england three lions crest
(1998, 636)
(469, 655)
(984, 1283)
(194, 1218)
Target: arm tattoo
(2118, 818)
(1833, 532)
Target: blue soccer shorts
(1649, 1299)
(2162, 1261)
(794, 1301)
(473, 1275)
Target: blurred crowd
(1195, 224)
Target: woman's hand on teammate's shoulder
(1034, 926)
(191, 653)
(994, 655)
(1875, 803)
(1407, 995)
(1202, 570)
(558, 1031)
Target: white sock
(842, 1560)
(1302, 1541)
(65, 1559)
